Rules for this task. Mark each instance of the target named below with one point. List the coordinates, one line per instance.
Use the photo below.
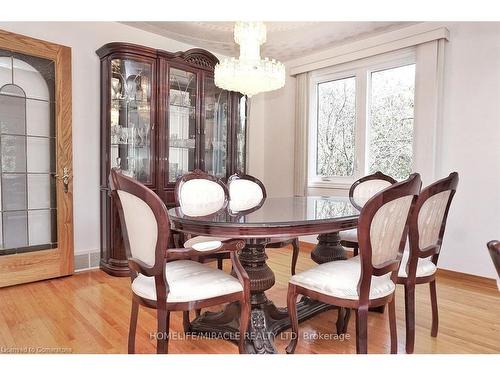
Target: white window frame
(361, 70)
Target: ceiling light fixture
(249, 74)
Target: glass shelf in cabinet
(129, 145)
(183, 147)
(130, 100)
(191, 107)
(182, 143)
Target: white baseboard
(85, 251)
(85, 260)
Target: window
(361, 121)
(335, 130)
(390, 133)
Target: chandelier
(249, 74)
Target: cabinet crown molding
(197, 57)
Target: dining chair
(369, 279)
(201, 194)
(419, 264)
(247, 192)
(166, 279)
(359, 193)
(494, 249)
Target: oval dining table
(274, 218)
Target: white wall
(470, 144)
(256, 137)
(470, 138)
(279, 139)
(85, 38)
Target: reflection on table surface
(282, 210)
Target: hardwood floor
(89, 313)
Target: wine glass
(116, 88)
(114, 134)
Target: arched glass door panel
(27, 154)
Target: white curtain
(428, 108)
(301, 129)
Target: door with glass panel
(36, 228)
(215, 128)
(183, 123)
(239, 113)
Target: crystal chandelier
(249, 74)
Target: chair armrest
(189, 252)
(140, 267)
(178, 238)
(241, 274)
(428, 251)
(386, 267)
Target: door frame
(45, 264)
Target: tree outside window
(336, 122)
(390, 140)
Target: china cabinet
(161, 117)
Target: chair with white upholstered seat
(201, 194)
(359, 193)
(367, 280)
(419, 264)
(167, 279)
(247, 193)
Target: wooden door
(36, 212)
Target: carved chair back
(200, 194)
(144, 222)
(366, 187)
(494, 249)
(428, 221)
(245, 192)
(382, 231)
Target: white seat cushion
(425, 267)
(204, 243)
(350, 235)
(189, 281)
(340, 279)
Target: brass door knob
(64, 178)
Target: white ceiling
(285, 40)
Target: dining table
(273, 218)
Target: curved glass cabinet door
(28, 219)
(131, 118)
(240, 124)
